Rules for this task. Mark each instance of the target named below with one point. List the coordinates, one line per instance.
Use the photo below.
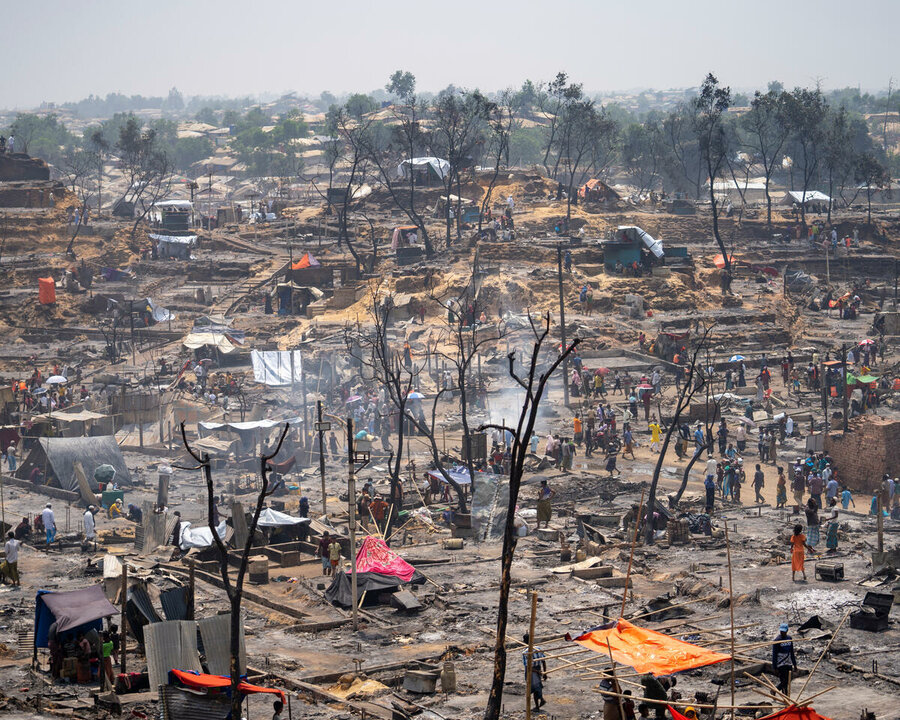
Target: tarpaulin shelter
(73, 611)
(795, 712)
(174, 246)
(199, 681)
(224, 343)
(60, 454)
(434, 167)
(277, 368)
(340, 592)
(647, 651)
(375, 556)
(46, 291)
(598, 191)
(306, 261)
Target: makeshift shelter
(340, 592)
(172, 214)
(59, 455)
(277, 368)
(595, 190)
(174, 246)
(424, 168)
(647, 651)
(631, 244)
(73, 611)
(218, 340)
(375, 556)
(813, 199)
(306, 261)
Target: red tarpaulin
(646, 650)
(199, 681)
(675, 714)
(795, 713)
(375, 556)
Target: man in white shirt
(49, 521)
(711, 466)
(11, 457)
(89, 524)
(10, 566)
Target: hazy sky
(59, 50)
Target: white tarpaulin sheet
(440, 166)
(249, 424)
(273, 518)
(273, 367)
(196, 340)
(199, 537)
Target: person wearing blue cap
(783, 659)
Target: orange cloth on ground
(798, 552)
(647, 650)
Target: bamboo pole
(612, 663)
(529, 665)
(824, 652)
(637, 524)
(731, 612)
(769, 686)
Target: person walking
(759, 481)
(710, 485)
(10, 566)
(812, 521)
(538, 672)
(49, 521)
(781, 489)
(799, 546)
(322, 552)
(831, 534)
(11, 458)
(784, 661)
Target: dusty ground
(458, 619)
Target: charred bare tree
(534, 384)
(79, 165)
(147, 169)
(500, 120)
(767, 131)
(234, 589)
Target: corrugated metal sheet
(174, 603)
(216, 634)
(171, 644)
(177, 704)
(140, 611)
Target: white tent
(809, 197)
(439, 166)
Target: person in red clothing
(322, 552)
(378, 509)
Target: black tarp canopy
(70, 610)
(340, 592)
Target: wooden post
(844, 389)
(191, 592)
(562, 324)
(637, 524)
(123, 634)
(322, 456)
(351, 508)
(880, 523)
(529, 664)
(731, 612)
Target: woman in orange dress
(798, 552)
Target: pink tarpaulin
(375, 556)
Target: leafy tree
(642, 153)
(402, 84)
(174, 102)
(805, 110)
(359, 104)
(188, 151)
(206, 115)
(765, 131)
(41, 136)
(871, 173)
(682, 163)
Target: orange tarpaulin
(719, 261)
(46, 291)
(199, 681)
(306, 261)
(795, 713)
(647, 651)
